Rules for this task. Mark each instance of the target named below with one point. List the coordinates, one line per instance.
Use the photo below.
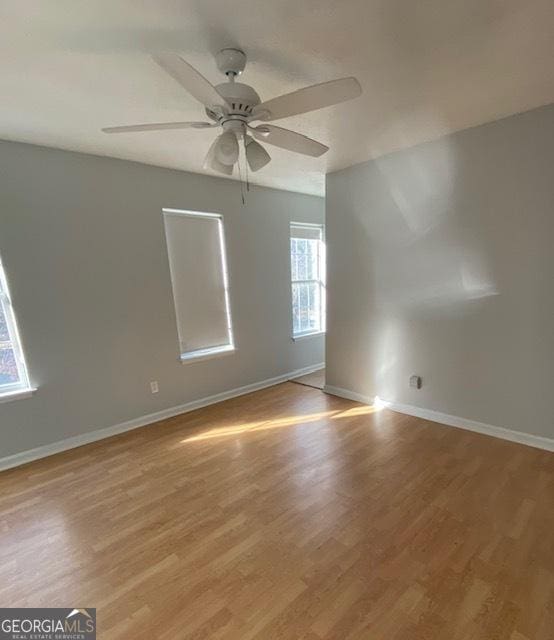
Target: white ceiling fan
(234, 106)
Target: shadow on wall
(424, 258)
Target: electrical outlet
(154, 386)
(416, 382)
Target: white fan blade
(211, 162)
(187, 76)
(160, 126)
(308, 99)
(289, 140)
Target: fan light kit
(234, 106)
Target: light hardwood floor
(288, 514)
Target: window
(14, 381)
(196, 251)
(307, 258)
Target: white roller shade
(196, 252)
(307, 231)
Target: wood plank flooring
(288, 514)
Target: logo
(48, 624)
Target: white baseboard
(18, 459)
(528, 439)
(306, 370)
(349, 395)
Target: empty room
(277, 320)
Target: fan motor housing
(240, 98)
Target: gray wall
(82, 241)
(441, 263)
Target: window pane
(8, 365)
(13, 373)
(308, 278)
(311, 260)
(315, 308)
(294, 258)
(295, 310)
(301, 275)
(304, 259)
(3, 325)
(306, 307)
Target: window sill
(302, 336)
(19, 394)
(206, 354)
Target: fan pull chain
(241, 184)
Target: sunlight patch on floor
(263, 425)
(359, 411)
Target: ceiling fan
(234, 106)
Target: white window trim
(207, 354)
(19, 394)
(321, 282)
(308, 334)
(211, 352)
(23, 388)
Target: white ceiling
(427, 67)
